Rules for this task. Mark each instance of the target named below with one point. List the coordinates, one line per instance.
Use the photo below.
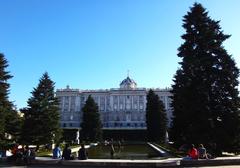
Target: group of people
(22, 154)
(200, 153)
(67, 153)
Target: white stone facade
(120, 108)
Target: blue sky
(91, 44)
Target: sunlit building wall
(120, 108)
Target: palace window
(115, 106)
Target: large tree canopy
(156, 118)
(41, 117)
(205, 95)
(91, 126)
(9, 119)
(5, 105)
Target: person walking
(112, 150)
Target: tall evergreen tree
(91, 124)
(205, 95)
(156, 118)
(41, 117)
(5, 104)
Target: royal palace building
(122, 108)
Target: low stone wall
(211, 162)
(107, 163)
(110, 163)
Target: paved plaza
(9, 166)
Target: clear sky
(91, 44)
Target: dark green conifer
(205, 95)
(41, 117)
(13, 124)
(156, 119)
(5, 104)
(91, 126)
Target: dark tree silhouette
(9, 119)
(5, 105)
(156, 119)
(41, 117)
(205, 95)
(91, 123)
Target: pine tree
(91, 123)
(5, 104)
(41, 117)
(205, 95)
(13, 124)
(156, 118)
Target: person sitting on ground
(26, 155)
(67, 153)
(82, 153)
(57, 152)
(33, 154)
(13, 157)
(193, 153)
(15, 149)
(19, 155)
(202, 152)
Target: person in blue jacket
(57, 152)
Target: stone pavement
(97, 163)
(234, 160)
(8, 166)
(170, 162)
(231, 166)
(224, 162)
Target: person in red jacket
(193, 153)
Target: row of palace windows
(124, 124)
(102, 107)
(128, 106)
(124, 117)
(70, 125)
(64, 100)
(107, 125)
